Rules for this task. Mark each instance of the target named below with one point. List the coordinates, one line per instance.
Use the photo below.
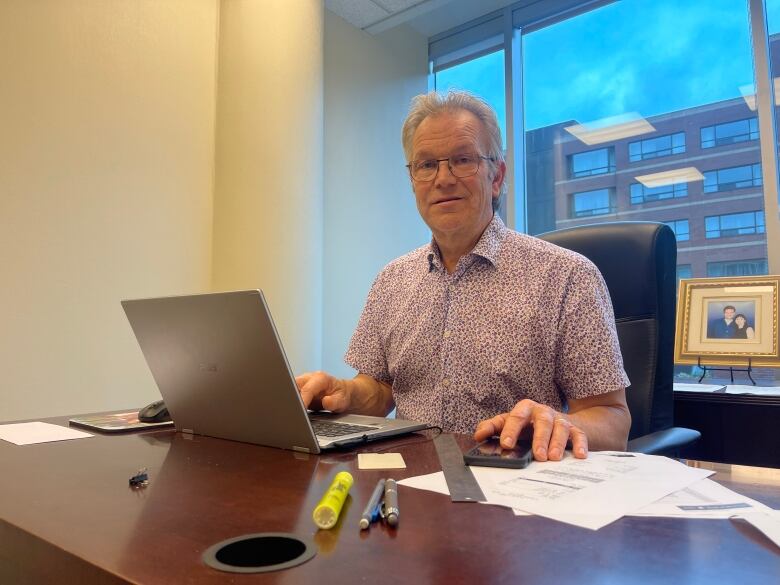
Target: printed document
(590, 492)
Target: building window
(586, 203)
(734, 224)
(593, 162)
(680, 228)
(642, 194)
(684, 271)
(655, 147)
(729, 133)
(754, 267)
(732, 178)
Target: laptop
(222, 372)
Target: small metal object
(140, 479)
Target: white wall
(109, 185)
(268, 189)
(106, 170)
(370, 215)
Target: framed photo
(726, 321)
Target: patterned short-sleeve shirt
(517, 318)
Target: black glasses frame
(480, 157)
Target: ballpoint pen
(372, 508)
(391, 511)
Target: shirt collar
(487, 246)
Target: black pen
(391, 511)
(369, 514)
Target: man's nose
(444, 175)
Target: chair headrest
(637, 260)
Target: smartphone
(490, 453)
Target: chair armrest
(665, 442)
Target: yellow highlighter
(326, 514)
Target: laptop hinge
(188, 431)
(301, 449)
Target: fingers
(579, 442)
(313, 386)
(558, 438)
(488, 428)
(516, 421)
(321, 391)
(552, 431)
(335, 399)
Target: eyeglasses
(460, 165)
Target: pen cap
(326, 514)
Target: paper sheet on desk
(767, 521)
(30, 433)
(590, 492)
(703, 499)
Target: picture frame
(728, 321)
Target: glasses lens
(464, 165)
(424, 170)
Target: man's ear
(498, 178)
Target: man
(724, 328)
(484, 329)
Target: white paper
(591, 492)
(436, 482)
(432, 482)
(680, 387)
(30, 433)
(703, 499)
(767, 521)
(755, 390)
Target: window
(655, 147)
(732, 178)
(597, 202)
(633, 101)
(684, 271)
(594, 162)
(754, 267)
(729, 133)
(734, 224)
(680, 229)
(483, 76)
(642, 194)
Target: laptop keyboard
(335, 429)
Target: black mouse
(154, 412)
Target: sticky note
(381, 461)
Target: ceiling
(428, 17)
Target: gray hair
(434, 104)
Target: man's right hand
(321, 391)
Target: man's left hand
(551, 430)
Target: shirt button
(447, 334)
(445, 382)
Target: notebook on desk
(221, 369)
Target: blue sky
(644, 56)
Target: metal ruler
(460, 480)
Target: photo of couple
(729, 324)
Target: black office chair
(638, 261)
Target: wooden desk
(67, 515)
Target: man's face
(728, 314)
(455, 208)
